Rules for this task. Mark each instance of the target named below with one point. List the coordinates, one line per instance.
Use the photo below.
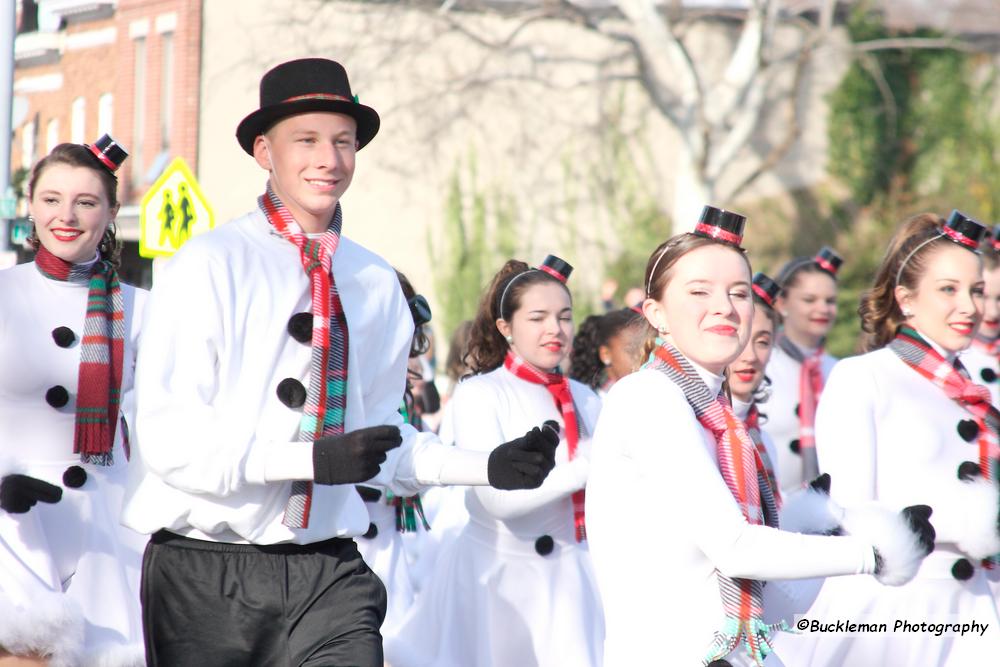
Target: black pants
(217, 604)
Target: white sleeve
(180, 436)
(477, 426)
(674, 443)
(845, 433)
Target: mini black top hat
(963, 230)
(301, 86)
(109, 152)
(420, 310)
(995, 237)
(557, 268)
(766, 289)
(828, 260)
(721, 225)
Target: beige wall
(540, 141)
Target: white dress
(662, 522)
(73, 553)
(782, 423)
(886, 433)
(494, 599)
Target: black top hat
(108, 152)
(557, 268)
(721, 225)
(995, 237)
(301, 86)
(766, 289)
(963, 230)
(828, 260)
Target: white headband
(899, 274)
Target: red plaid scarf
(102, 350)
(955, 383)
(810, 388)
(326, 400)
(753, 430)
(744, 474)
(558, 386)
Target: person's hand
(353, 457)
(19, 493)
(523, 463)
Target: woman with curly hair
(606, 348)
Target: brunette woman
(69, 572)
(681, 515)
(800, 365)
(904, 423)
(982, 356)
(515, 587)
(606, 348)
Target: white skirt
(494, 601)
(933, 597)
(386, 556)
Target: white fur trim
(119, 655)
(890, 533)
(979, 501)
(809, 511)
(51, 627)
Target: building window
(51, 135)
(166, 90)
(28, 144)
(139, 110)
(78, 121)
(105, 108)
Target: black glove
(524, 463)
(821, 483)
(19, 493)
(353, 457)
(918, 517)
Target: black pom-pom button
(988, 375)
(968, 429)
(291, 393)
(720, 663)
(371, 533)
(797, 406)
(63, 336)
(368, 494)
(794, 446)
(962, 569)
(57, 396)
(968, 471)
(74, 477)
(300, 327)
(544, 545)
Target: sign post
(172, 211)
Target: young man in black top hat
(289, 346)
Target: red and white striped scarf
(326, 399)
(810, 388)
(558, 386)
(753, 430)
(743, 471)
(102, 350)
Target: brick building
(127, 67)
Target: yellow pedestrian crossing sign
(172, 211)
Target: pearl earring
(509, 339)
(907, 313)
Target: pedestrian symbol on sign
(172, 212)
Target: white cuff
(279, 462)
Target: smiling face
(310, 158)
(946, 304)
(706, 308)
(990, 327)
(808, 307)
(541, 328)
(71, 210)
(747, 372)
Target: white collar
(741, 408)
(713, 381)
(949, 356)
